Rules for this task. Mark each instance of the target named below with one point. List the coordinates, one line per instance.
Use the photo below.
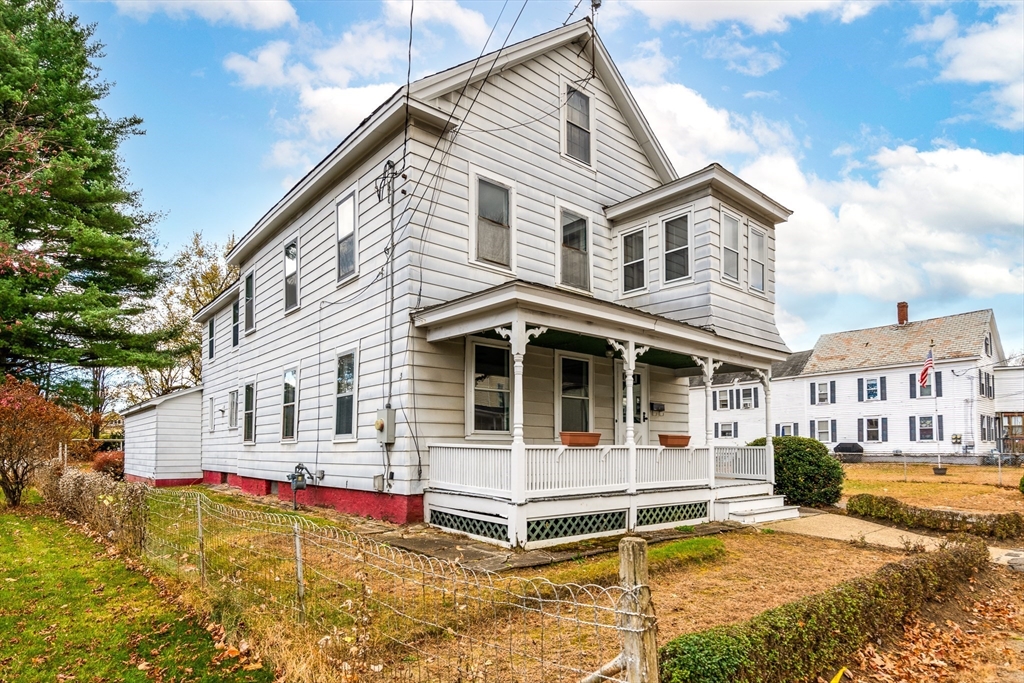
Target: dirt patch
(759, 571)
(966, 488)
(973, 635)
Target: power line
(578, 3)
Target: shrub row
(116, 509)
(1007, 525)
(802, 640)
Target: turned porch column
(629, 352)
(766, 383)
(708, 367)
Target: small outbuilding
(163, 439)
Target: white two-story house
(498, 255)
(862, 386)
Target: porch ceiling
(573, 320)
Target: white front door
(641, 405)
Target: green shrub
(1021, 485)
(804, 639)
(1008, 525)
(805, 472)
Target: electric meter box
(385, 425)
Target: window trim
(740, 232)
(819, 386)
(866, 428)
(285, 371)
(828, 429)
(782, 428)
(663, 243)
(930, 384)
(298, 274)
(564, 83)
(233, 409)
(339, 353)
(878, 389)
(560, 207)
(723, 398)
(211, 329)
(236, 324)
(751, 229)
(249, 442)
(250, 325)
(351, 191)
(744, 390)
(475, 174)
(721, 429)
(212, 427)
(470, 418)
(559, 355)
(935, 428)
(621, 254)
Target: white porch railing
(559, 470)
(742, 462)
(659, 467)
(474, 469)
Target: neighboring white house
(1009, 407)
(464, 278)
(163, 439)
(861, 386)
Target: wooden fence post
(640, 642)
(300, 592)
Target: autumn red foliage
(31, 428)
(110, 463)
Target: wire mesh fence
(392, 615)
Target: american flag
(929, 366)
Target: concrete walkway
(854, 529)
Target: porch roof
(568, 311)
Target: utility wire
(578, 3)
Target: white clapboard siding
(163, 438)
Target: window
(345, 396)
(723, 400)
(871, 390)
(786, 429)
(926, 428)
(249, 414)
(730, 247)
(233, 409)
(925, 390)
(211, 415)
(758, 258)
(493, 234)
(873, 429)
(291, 274)
(345, 216)
(577, 125)
(677, 248)
(633, 271)
(747, 400)
(988, 344)
(289, 394)
(575, 394)
(822, 431)
(492, 391)
(822, 392)
(234, 324)
(209, 336)
(250, 301)
(726, 430)
(574, 266)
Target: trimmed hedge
(802, 640)
(1001, 526)
(805, 472)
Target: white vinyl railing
(659, 467)
(475, 469)
(561, 470)
(749, 462)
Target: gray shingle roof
(790, 367)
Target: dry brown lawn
(965, 487)
(760, 571)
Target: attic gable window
(577, 125)
(575, 251)
(493, 233)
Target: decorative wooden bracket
(526, 336)
(709, 372)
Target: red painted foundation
(162, 483)
(213, 478)
(387, 506)
(255, 487)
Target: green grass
(604, 570)
(67, 609)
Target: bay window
(758, 259)
(677, 248)
(730, 247)
(633, 271)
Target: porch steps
(754, 509)
(766, 514)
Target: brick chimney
(902, 312)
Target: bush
(110, 463)
(1008, 525)
(1021, 485)
(115, 509)
(804, 639)
(805, 472)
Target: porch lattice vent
(577, 525)
(671, 513)
(468, 525)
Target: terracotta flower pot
(582, 439)
(674, 440)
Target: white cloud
(330, 113)
(254, 14)
(469, 24)
(266, 68)
(761, 95)
(743, 58)
(791, 326)
(648, 65)
(758, 15)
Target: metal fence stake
(202, 543)
(300, 592)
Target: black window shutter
(832, 391)
(814, 395)
(885, 429)
(992, 387)
(881, 388)
(778, 429)
(714, 400)
(940, 427)
(755, 397)
(796, 429)
(983, 435)
(735, 430)
(860, 429)
(730, 399)
(716, 430)
(913, 428)
(860, 389)
(834, 439)
(981, 383)
(938, 384)
(813, 434)
(913, 385)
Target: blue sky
(893, 130)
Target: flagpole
(935, 419)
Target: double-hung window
(492, 389)
(758, 258)
(345, 396)
(677, 248)
(575, 394)
(493, 231)
(574, 266)
(786, 429)
(726, 430)
(871, 390)
(291, 274)
(723, 400)
(209, 335)
(730, 247)
(233, 409)
(925, 390)
(345, 216)
(234, 324)
(633, 272)
(822, 389)
(289, 403)
(926, 428)
(250, 301)
(822, 431)
(873, 429)
(249, 414)
(577, 125)
(747, 399)
(212, 422)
